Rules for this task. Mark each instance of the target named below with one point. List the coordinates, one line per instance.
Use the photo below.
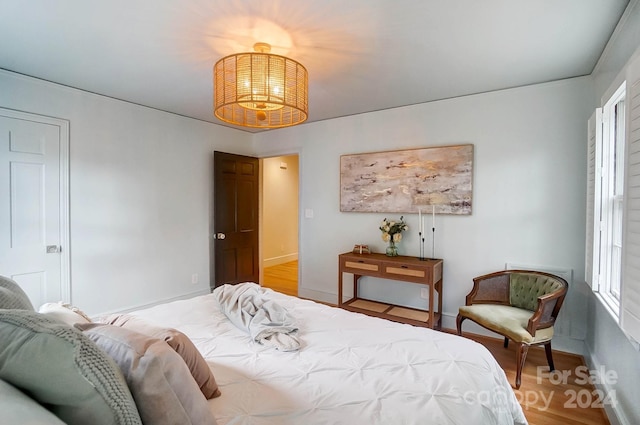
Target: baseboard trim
(274, 261)
(312, 294)
(615, 414)
(129, 309)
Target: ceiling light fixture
(260, 89)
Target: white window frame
(609, 202)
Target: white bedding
(351, 369)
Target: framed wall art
(407, 181)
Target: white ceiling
(362, 55)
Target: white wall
(607, 346)
(528, 194)
(140, 193)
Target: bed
(350, 369)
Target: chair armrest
(547, 311)
(490, 289)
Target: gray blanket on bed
(248, 308)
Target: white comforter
(351, 369)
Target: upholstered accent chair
(521, 305)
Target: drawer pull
(405, 267)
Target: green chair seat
(506, 320)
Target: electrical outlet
(194, 278)
(424, 293)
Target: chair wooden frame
(494, 288)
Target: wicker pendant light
(260, 89)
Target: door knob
(53, 249)
(219, 236)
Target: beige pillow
(159, 380)
(198, 366)
(64, 312)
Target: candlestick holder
(433, 242)
(421, 248)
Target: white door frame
(65, 254)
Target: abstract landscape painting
(408, 181)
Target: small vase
(392, 249)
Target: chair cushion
(12, 296)
(506, 320)
(525, 289)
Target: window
(606, 200)
(612, 256)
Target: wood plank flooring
(544, 401)
(549, 400)
(282, 278)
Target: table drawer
(357, 266)
(408, 272)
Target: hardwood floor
(282, 278)
(545, 400)
(550, 399)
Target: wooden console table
(401, 268)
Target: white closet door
(32, 212)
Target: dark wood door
(235, 218)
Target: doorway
(279, 206)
